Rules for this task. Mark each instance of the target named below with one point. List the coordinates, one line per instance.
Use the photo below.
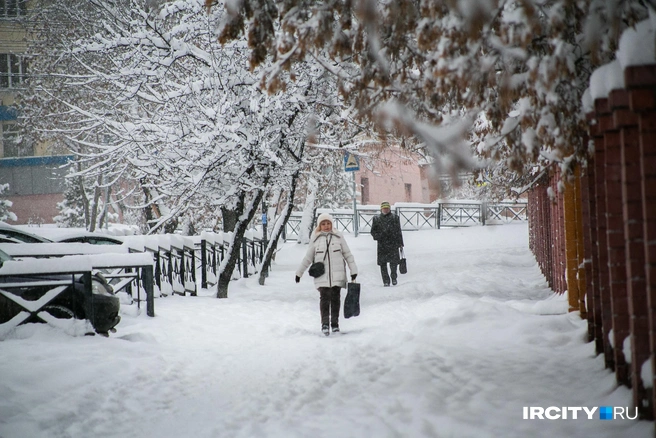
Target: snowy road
(469, 337)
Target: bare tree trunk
(83, 193)
(229, 219)
(152, 213)
(147, 210)
(94, 205)
(244, 213)
(277, 231)
(103, 215)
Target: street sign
(351, 162)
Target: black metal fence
(144, 267)
(180, 261)
(36, 266)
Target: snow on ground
(470, 336)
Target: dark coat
(386, 230)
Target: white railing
(416, 216)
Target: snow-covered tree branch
(519, 66)
(154, 104)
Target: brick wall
(616, 195)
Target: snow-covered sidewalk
(470, 336)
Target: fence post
(170, 272)
(147, 281)
(203, 263)
(86, 281)
(158, 271)
(214, 256)
(483, 212)
(193, 272)
(183, 271)
(439, 215)
(244, 257)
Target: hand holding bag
(352, 300)
(403, 265)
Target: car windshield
(21, 236)
(93, 240)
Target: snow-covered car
(92, 238)
(11, 234)
(101, 307)
(16, 234)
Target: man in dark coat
(386, 230)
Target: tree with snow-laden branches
(498, 79)
(5, 205)
(156, 105)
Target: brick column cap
(640, 76)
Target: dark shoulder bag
(317, 269)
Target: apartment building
(35, 178)
(393, 174)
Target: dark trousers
(329, 305)
(385, 275)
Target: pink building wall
(391, 175)
(35, 208)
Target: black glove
(298, 279)
(353, 277)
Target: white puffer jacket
(338, 253)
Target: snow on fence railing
(417, 216)
(114, 262)
(153, 266)
(181, 260)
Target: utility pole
(355, 209)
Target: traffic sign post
(352, 164)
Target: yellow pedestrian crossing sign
(351, 162)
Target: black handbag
(317, 269)
(352, 300)
(403, 264)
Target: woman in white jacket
(329, 246)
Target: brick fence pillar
(580, 206)
(548, 236)
(597, 133)
(616, 248)
(592, 265)
(571, 238)
(627, 122)
(594, 304)
(560, 267)
(553, 255)
(641, 83)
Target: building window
(12, 70)
(12, 143)
(12, 8)
(408, 193)
(365, 190)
